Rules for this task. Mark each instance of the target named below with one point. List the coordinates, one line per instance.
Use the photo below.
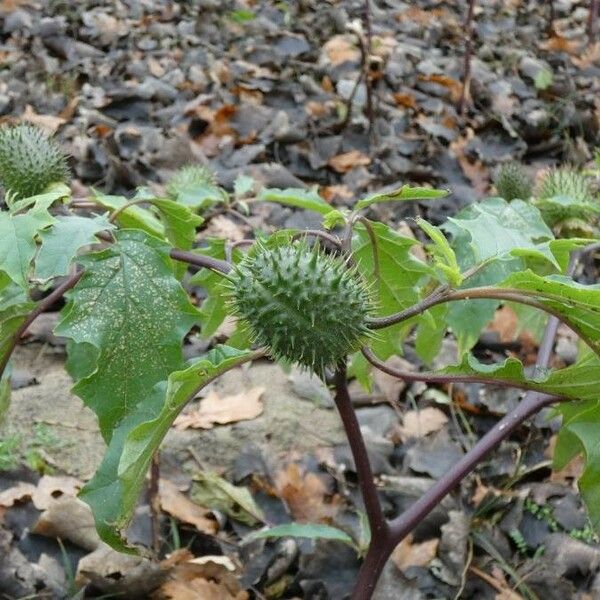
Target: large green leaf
(128, 305)
(406, 192)
(297, 197)
(496, 227)
(577, 382)
(492, 230)
(17, 241)
(61, 242)
(134, 217)
(577, 304)
(179, 221)
(579, 434)
(397, 286)
(113, 492)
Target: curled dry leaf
(420, 423)
(229, 409)
(178, 505)
(195, 578)
(407, 554)
(342, 163)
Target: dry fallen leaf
(210, 577)
(18, 493)
(406, 554)
(178, 505)
(50, 489)
(229, 409)
(419, 423)
(342, 163)
(70, 519)
(452, 85)
(590, 56)
(558, 43)
(505, 324)
(391, 387)
(48, 123)
(340, 49)
(305, 495)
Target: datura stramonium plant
(305, 306)
(30, 161)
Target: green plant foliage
(236, 501)
(305, 306)
(195, 186)
(302, 530)
(491, 231)
(213, 309)
(62, 241)
(30, 161)
(564, 182)
(397, 284)
(406, 192)
(113, 491)
(297, 197)
(130, 307)
(566, 201)
(513, 182)
(17, 241)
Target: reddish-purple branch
(343, 402)
(41, 307)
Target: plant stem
(406, 522)
(323, 235)
(200, 260)
(41, 307)
(590, 21)
(509, 295)
(368, 490)
(381, 548)
(442, 378)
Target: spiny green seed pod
(512, 181)
(189, 177)
(305, 306)
(30, 161)
(564, 182)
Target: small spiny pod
(305, 306)
(564, 182)
(30, 161)
(512, 182)
(189, 177)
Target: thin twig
(328, 237)
(201, 260)
(444, 378)
(591, 20)
(154, 502)
(465, 92)
(117, 213)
